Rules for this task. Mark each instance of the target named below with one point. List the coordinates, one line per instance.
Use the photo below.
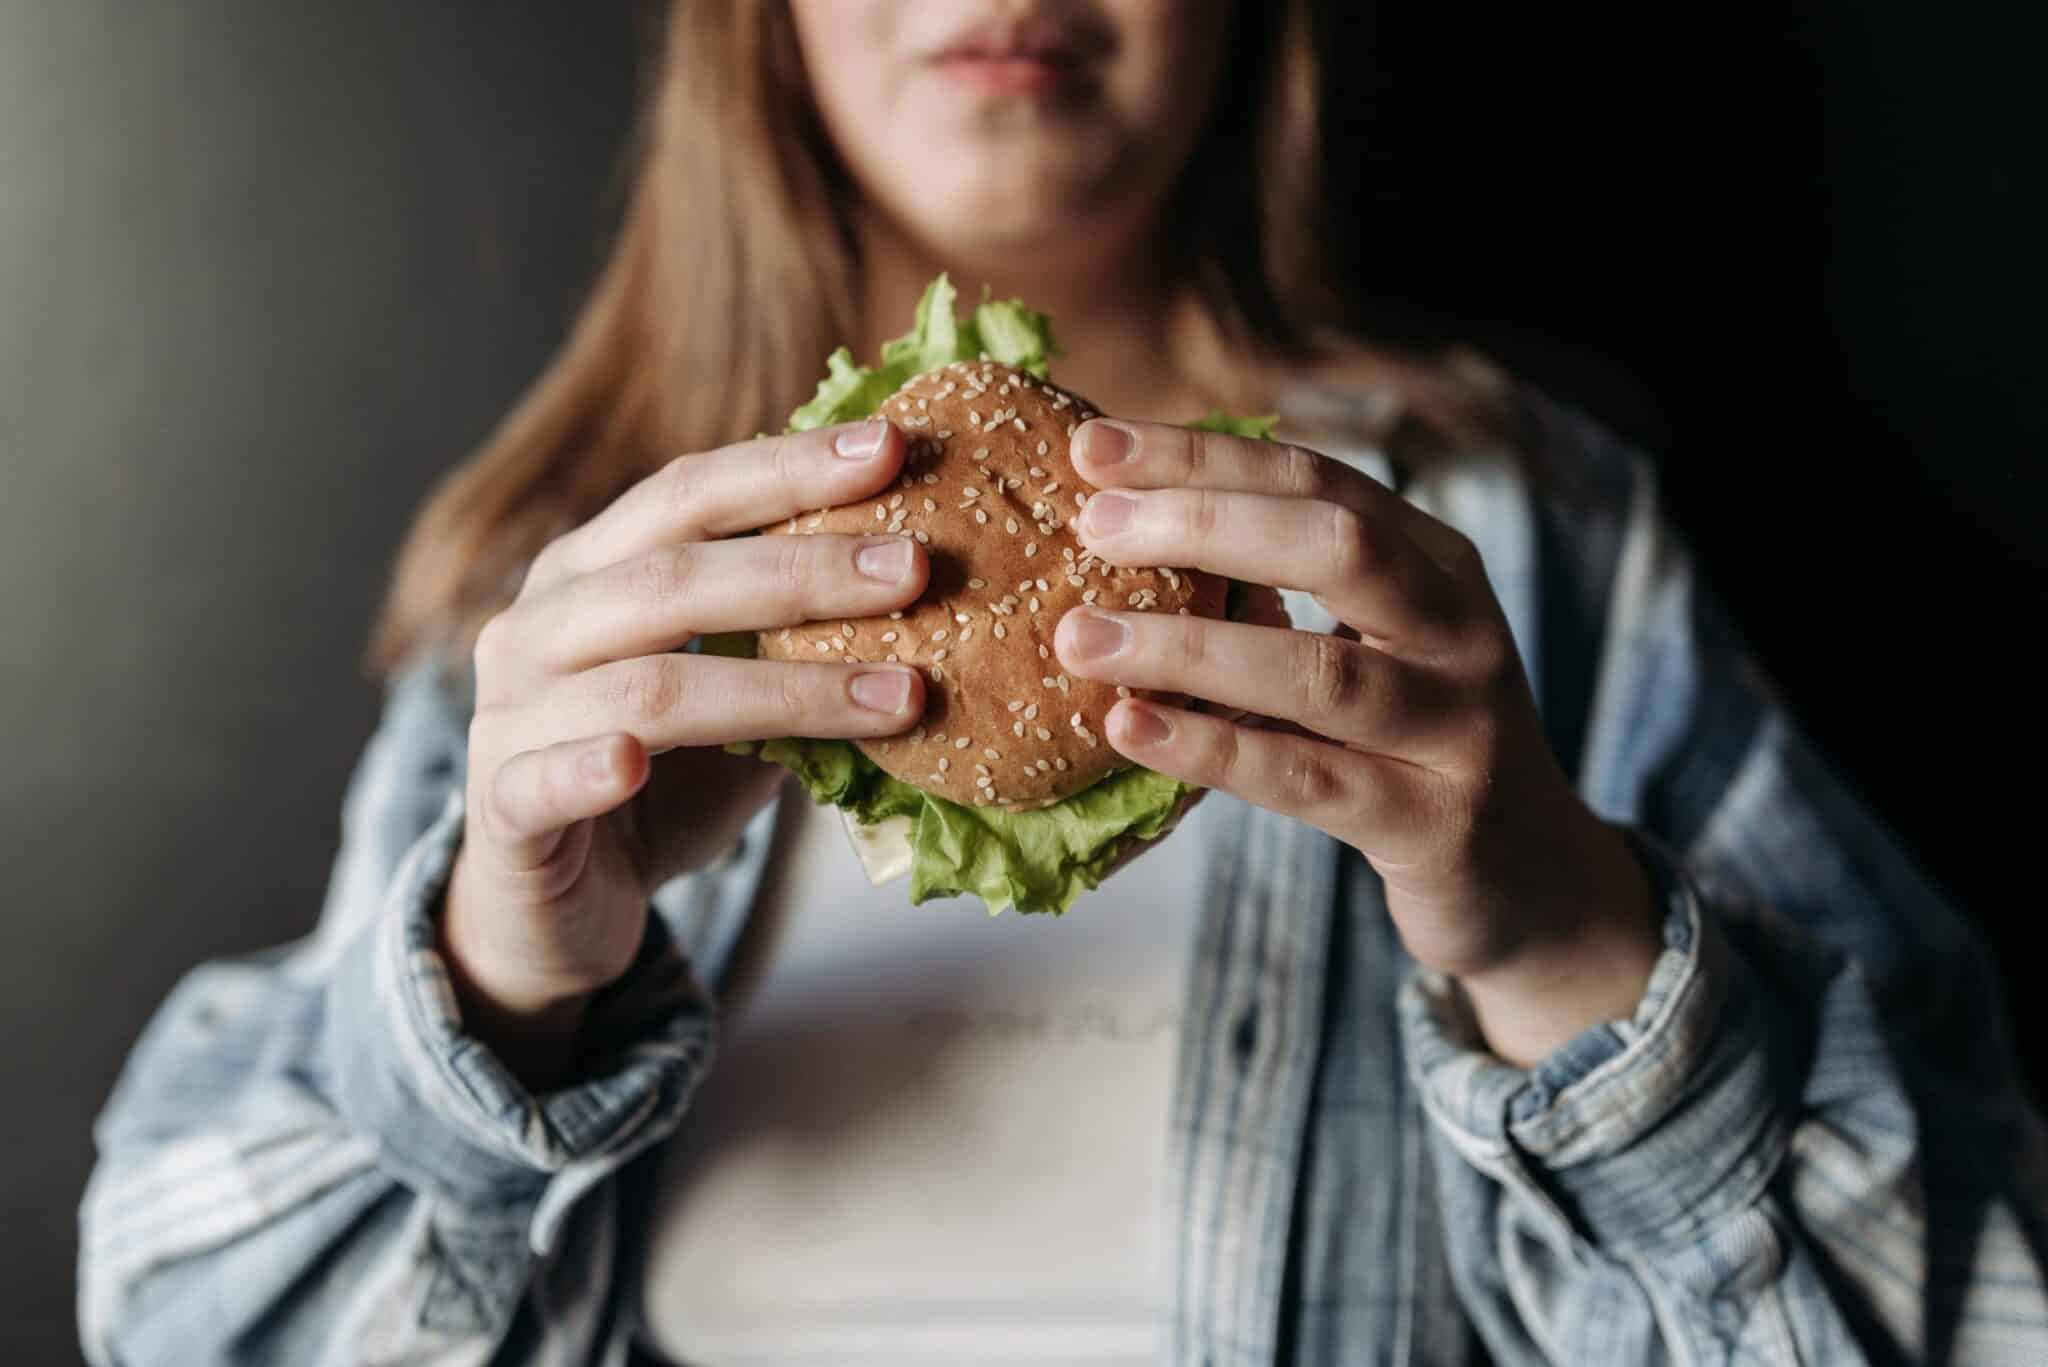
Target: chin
(990, 221)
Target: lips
(1018, 58)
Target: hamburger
(1006, 788)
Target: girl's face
(986, 127)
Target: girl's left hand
(1416, 736)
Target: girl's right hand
(595, 767)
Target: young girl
(1528, 990)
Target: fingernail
(1107, 514)
(881, 690)
(1138, 724)
(858, 443)
(1091, 636)
(888, 561)
(1107, 443)
(595, 763)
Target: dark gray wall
(266, 270)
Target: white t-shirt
(931, 1135)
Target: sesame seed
(939, 739)
(962, 617)
(930, 478)
(792, 523)
(940, 634)
(983, 781)
(931, 505)
(924, 538)
(895, 500)
(974, 417)
(1000, 632)
(890, 657)
(1064, 682)
(1051, 487)
(1034, 603)
(980, 517)
(1059, 764)
(896, 615)
(823, 646)
(991, 752)
(1010, 526)
(1031, 712)
(977, 583)
(981, 453)
(981, 769)
(1037, 473)
(1043, 653)
(887, 637)
(1016, 705)
(1041, 586)
(1091, 595)
(1041, 448)
(944, 764)
(1076, 580)
(813, 523)
(917, 733)
(961, 742)
(971, 492)
(1132, 600)
(1042, 733)
(1046, 682)
(1030, 547)
(938, 655)
(1017, 729)
(1122, 692)
(1017, 423)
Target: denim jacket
(1807, 1144)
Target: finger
(662, 598)
(1334, 687)
(1367, 572)
(1377, 803)
(670, 701)
(537, 794)
(736, 488)
(1149, 455)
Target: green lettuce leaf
(1034, 861)
(1216, 420)
(1004, 330)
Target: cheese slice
(883, 848)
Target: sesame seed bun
(989, 491)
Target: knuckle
(1301, 473)
(1333, 675)
(1191, 646)
(797, 562)
(1308, 782)
(650, 691)
(785, 463)
(1354, 550)
(794, 695)
(1203, 513)
(664, 575)
(679, 487)
(493, 643)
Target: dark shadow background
(266, 271)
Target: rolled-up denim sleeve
(308, 1159)
(1809, 1142)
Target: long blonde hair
(734, 272)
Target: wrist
(1593, 968)
(532, 1026)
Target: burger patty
(989, 491)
